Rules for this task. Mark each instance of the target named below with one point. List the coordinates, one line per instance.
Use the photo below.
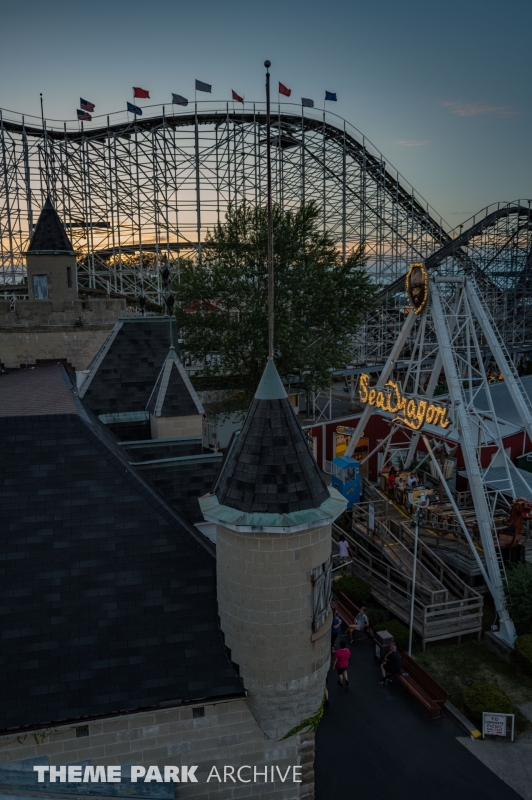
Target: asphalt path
(375, 742)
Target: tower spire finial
(267, 64)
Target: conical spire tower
(49, 235)
(270, 469)
(273, 515)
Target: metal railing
(444, 606)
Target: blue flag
(134, 109)
(330, 95)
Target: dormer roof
(173, 394)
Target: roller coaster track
(155, 185)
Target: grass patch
(458, 667)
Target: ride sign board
(496, 724)
(411, 412)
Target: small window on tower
(69, 277)
(40, 287)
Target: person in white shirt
(343, 548)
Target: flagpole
(267, 64)
(45, 149)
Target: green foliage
(485, 697)
(377, 616)
(319, 301)
(519, 597)
(357, 590)
(311, 723)
(523, 653)
(398, 631)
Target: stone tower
(51, 261)
(273, 515)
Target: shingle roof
(173, 394)
(184, 482)
(108, 595)
(49, 235)
(42, 392)
(270, 468)
(124, 372)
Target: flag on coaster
(237, 97)
(134, 109)
(203, 87)
(330, 95)
(85, 105)
(137, 92)
(284, 90)
(82, 115)
(179, 100)
(307, 103)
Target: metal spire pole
(267, 64)
(47, 176)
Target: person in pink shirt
(341, 660)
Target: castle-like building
(53, 324)
(164, 608)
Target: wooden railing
(444, 606)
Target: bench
(347, 611)
(423, 687)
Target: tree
(519, 597)
(319, 301)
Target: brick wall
(265, 605)
(35, 332)
(227, 734)
(175, 427)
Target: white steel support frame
(381, 381)
(465, 418)
(452, 334)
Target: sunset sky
(443, 90)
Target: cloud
(477, 109)
(410, 143)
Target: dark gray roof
(270, 468)
(502, 402)
(157, 449)
(173, 394)
(182, 482)
(49, 235)
(179, 469)
(108, 595)
(125, 370)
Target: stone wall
(265, 606)
(61, 272)
(227, 735)
(34, 332)
(175, 427)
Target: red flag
(284, 90)
(237, 97)
(140, 92)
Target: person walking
(335, 629)
(341, 660)
(343, 548)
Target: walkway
(374, 742)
